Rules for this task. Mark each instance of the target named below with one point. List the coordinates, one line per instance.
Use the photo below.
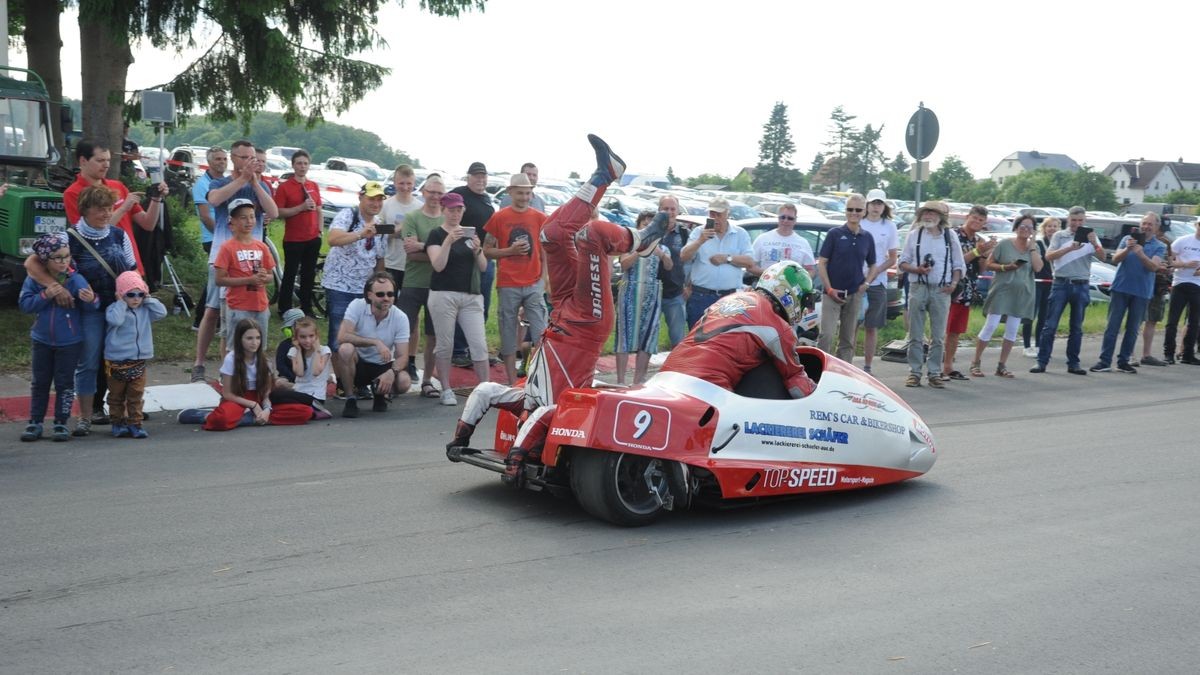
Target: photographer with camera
(1139, 256)
(934, 263)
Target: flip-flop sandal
(430, 391)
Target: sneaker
(461, 361)
(32, 432)
(1169, 360)
(198, 374)
(494, 360)
(1077, 371)
(1150, 361)
(193, 415)
(866, 369)
(121, 431)
(448, 397)
(609, 167)
(83, 427)
(937, 382)
(61, 433)
(1126, 368)
(412, 372)
(363, 393)
(99, 418)
(646, 241)
(912, 380)
(955, 375)
(320, 412)
(136, 431)
(1039, 368)
(380, 404)
(351, 409)
(1100, 368)
(1031, 352)
(1190, 360)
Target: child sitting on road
(128, 344)
(57, 336)
(304, 367)
(245, 381)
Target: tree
(774, 172)
(741, 183)
(260, 53)
(840, 131)
(1040, 187)
(672, 177)
(899, 163)
(709, 179)
(898, 184)
(817, 163)
(949, 176)
(574, 175)
(983, 191)
(1177, 197)
(863, 158)
(1091, 190)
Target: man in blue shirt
(218, 161)
(718, 255)
(1130, 293)
(846, 254)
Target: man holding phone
(718, 252)
(846, 261)
(1139, 256)
(356, 251)
(1072, 280)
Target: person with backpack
(934, 263)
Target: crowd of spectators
(441, 251)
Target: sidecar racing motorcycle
(628, 455)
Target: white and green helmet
(789, 284)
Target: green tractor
(33, 203)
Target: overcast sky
(690, 84)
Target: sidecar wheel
(617, 487)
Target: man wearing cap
(934, 264)
(418, 273)
(577, 261)
(878, 223)
(718, 255)
(242, 183)
(356, 251)
(1072, 285)
(478, 210)
(846, 262)
(513, 241)
(535, 202)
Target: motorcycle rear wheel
(618, 487)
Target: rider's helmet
(788, 284)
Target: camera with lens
(928, 261)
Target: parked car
(283, 151)
(339, 190)
(367, 169)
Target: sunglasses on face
(853, 210)
(135, 294)
(385, 294)
(787, 217)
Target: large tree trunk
(106, 59)
(43, 43)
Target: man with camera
(1070, 253)
(934, 263)
(1138, 257)
(718, 252)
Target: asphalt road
(1057, 533)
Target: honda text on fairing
(628, 455)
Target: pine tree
(774, 172)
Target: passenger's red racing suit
(737, 333)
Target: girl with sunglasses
(57, 336)
(128, 344)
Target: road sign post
(921, 137)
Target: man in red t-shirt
(299, 202)
(93, 159)
(513, 240)
(244, 265)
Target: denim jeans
(91, 356)
(674, 310)
(57, 365)
(1063, 293)
(1120, 304)
(924, 299)
(337, 302)
(697, 303)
